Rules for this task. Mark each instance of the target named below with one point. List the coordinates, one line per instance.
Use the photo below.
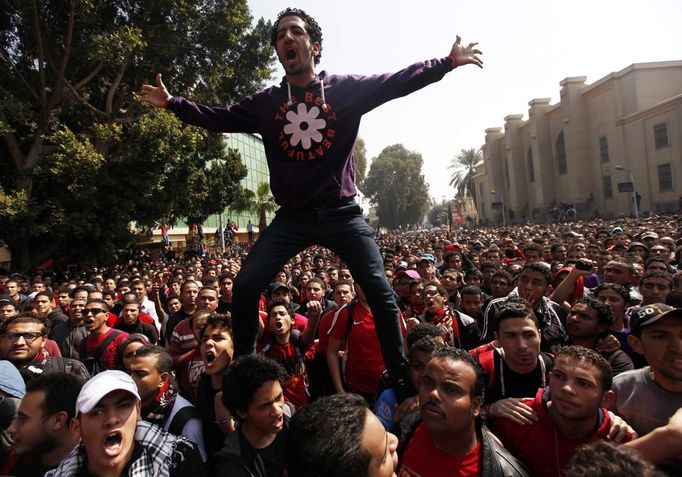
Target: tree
(438, 215)
(395, 185)
(259, 203)
(81, 158)
(360, 155)
(462, 179)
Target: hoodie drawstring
(325, 108)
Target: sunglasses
(29, 337)
(94, 311)
(429, 293)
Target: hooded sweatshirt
(309, 133)
(540, 446)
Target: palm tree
(462, 179)
(259, 203)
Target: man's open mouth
(290, 53)
(210, 357)
(112, 444)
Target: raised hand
(156, 95)
(464, 55)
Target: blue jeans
(343, 230)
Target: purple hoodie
(309, 133)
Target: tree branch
(37, 33)
(21, 77)
(12, 145)
(88, 78)
(114, 85)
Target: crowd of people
(533, 350)
(322, 349)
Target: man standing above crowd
(309, 147)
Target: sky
(528, 47)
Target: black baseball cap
(649, 314)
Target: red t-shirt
(110, 354)
(190, 378)
(540, 446)
(364, 362)
(422, 459)
(326, 323)
(295, 385)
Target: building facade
(583, 151)
(250, 147)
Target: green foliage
(81, 158)
(261, 202)
(464, 166)
(438, 215)
(360, 155)
(395, 185)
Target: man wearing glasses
(99, 350)
(23, 344)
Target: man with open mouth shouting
(115, 442)
(309, 124)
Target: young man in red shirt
(446, 438)
(363, 360)
(570, 412)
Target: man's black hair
(514, 307)
(280, 301)
(110, 293)
(422, 330)
(532, 246)
(471, 290)
(605, 459)
(604, 311)
(164, 361)
(458, 354)
(221, 321)
(311, 27)
(540, 268)
(61, 391)
(503, 274)
(325, 438)
(247, 376)
(580, 353)
(658, 274)
(427, 344)
(439, 288)
(620, 289)
(662, 260)
(486, 265)
(473, 272)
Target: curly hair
(311, 27)
(245, 377)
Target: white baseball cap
(102, 384)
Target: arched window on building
(561, 154)
(531, 167)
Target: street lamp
(504, 215)
(618, 167)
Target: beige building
(579, 150)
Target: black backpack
(95, 364)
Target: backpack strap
(487, 360)
(349, 322)
(100, 349)
(180, 419)
(296, 340)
